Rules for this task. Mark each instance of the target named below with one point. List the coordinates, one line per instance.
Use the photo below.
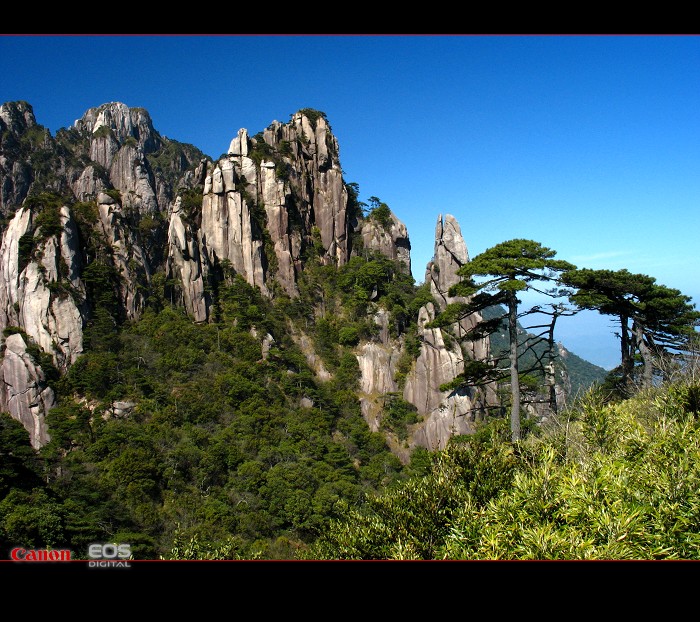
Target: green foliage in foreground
(605, 481)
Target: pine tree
(654, 319)
(506, 269)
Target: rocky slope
(99, 216)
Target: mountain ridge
(106, 212)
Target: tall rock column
(119, 139)
(377, 360)
(329, 197)
(42, 292)
(185, 264)
(272, 197)
(443, 352)
(450, 255)
(127, 254)
(286, 243)
(228, 230)
(313, 193)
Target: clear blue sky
(589, 145)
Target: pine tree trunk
(550, 371)
(627, 355)
(647, 359)
(514, 376)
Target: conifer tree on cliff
(495, 277)
(654, 319)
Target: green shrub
(382, 215)
(348, 336)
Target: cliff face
(262, 206)
(440, 360)
(103, 214)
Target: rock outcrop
(25, 393)
(120, 138)
(229, 231)
(266, 205)
(121, 174)
(127, 256)
(154, 205)
(45, 297)
(187, 266)
(312, 169)
(274, 201)
(378, 364)
(391, 241)
(450, 255)
(443, 351)
(441, 357)
(16, 175)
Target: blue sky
(589, 145)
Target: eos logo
(109, 551)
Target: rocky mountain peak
(443, 352)
(16, 117)
(121, 122)
(110, 214)
(450, 254)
